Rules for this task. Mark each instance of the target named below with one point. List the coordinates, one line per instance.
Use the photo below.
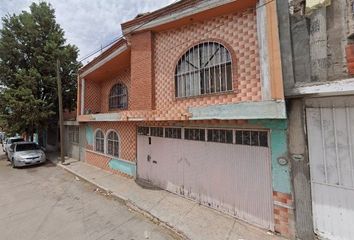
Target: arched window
(113, 144)
(118, 98)
(205, 68)
(99, 141)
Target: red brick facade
(92, 97)
(284, 217)
(238, 31)
(127, 135)
(154, 58)
(150, 82)
(101, 161)
(142, 71)
(106, 86)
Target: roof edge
(182, 10)
(160, 12)
(120, 43)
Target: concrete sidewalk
(185, 217)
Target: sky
(89, 24)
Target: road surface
(46, 202)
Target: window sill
(117, 109)
(207, 95)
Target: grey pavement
(188, 218)
(47, 203)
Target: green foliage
(30, 44)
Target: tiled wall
(102, 162)
(127, 135)
(122, 77)
(237, 31)
(284, 217)
(142, 71)
(97, 93)
(92, 97)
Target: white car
(9, 142)
(26, 154)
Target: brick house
(191, 100)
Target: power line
(99, 49)
(121, 37)
(218, 26)
(180, 44)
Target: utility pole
(61, 120)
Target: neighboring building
(320, 94)
(74, 136)
(191, 100)
(49, 137)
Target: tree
(30, 44)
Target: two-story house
(191, 100)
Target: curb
(129, 204)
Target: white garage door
(331, 138)
(228, 170)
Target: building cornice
(334, 88)
(117, 48)
(178, 11)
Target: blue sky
(89, 23)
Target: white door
(331, 138)
(232, 178)
(144, 156)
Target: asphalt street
(46, 202)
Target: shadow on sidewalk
(146, 185)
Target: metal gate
(331, 138)
(235, 179)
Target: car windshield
(16, 140)
(26, 147)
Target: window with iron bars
(143, 131)
(252, 138)
(99, 141)
(240, 137)
(204, 69)
(74, 134)
(220, 136)
(196, 134)
(118, 97)
(173, 133)
(113, 144)
(156, 131)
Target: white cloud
(89, 23)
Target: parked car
(25, 154)
(10, 141)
